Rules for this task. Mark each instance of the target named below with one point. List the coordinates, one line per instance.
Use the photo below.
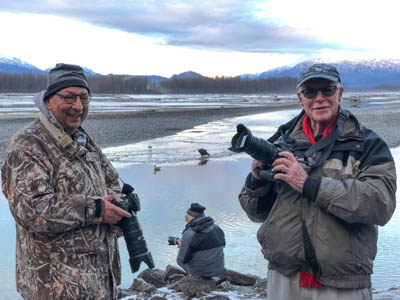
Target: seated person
(201, 248)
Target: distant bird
(150, 147)
(156, 169)
(203, 152)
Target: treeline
(125, 84)
(22, 83)
(387, 88)
(234, 85)
(118, 84)
(113, 84)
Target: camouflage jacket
(62, 251)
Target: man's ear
(300, 98)
(48, 104)
(341, 89)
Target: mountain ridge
(358, 73)
(355, 73)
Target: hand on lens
(256, 166)
(288, 169)
(112, 213)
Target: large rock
(171, 270)
(122, 293)
(175, 278)
(139, 285)
(215, 297)
(240, 279)
(154, 276)
(262, 283)
(195, 286)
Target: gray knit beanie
(196, 210)
(63, 76)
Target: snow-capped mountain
(363, 73)
(188, 74)
(358, 74)
(16, 65)
(88, 72)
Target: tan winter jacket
(330, 229)
(62, 252)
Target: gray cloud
(222, 25)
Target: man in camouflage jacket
(59, 186)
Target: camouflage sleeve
(33, 201)
(111, 175)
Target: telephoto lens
(133, 234)
(257, 148)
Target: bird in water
(156, 169)
(203, 152)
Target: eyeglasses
(327, 91)
(71, 98)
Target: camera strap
(287, 127)
(63, 139)
(320, 152)
(324, 147)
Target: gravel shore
(110, 129)
(118, 129)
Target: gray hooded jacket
(202, 248)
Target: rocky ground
(174, 283)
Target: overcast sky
(214, 38)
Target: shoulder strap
(286, 127)
(326, 145)
(63, 139)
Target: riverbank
(112, 129)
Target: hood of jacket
(38, 99)
(201, 224)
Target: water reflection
(166, 197)
(183, 147)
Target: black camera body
(259, 149)
(133, 234)
(172, 240)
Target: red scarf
(308, 280)
(308, 130)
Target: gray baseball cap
(326, 71)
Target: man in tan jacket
(59, 186)
(320, 211)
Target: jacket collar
(347, 126)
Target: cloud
(228, 25)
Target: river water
(215, 183)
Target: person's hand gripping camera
(275, 156)
(285, 168)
